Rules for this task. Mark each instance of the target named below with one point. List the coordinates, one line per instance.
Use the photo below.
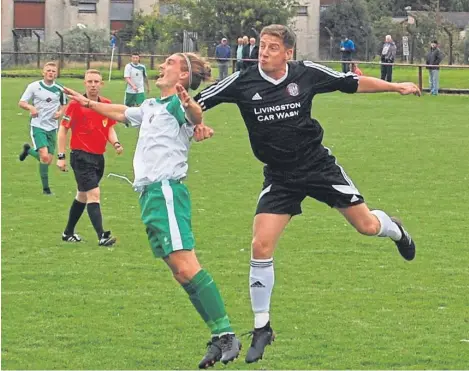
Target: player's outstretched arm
(113, 111)
(373, 85)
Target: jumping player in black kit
(275, 99)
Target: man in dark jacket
(250, 51)
(388, 54)
(434, 58)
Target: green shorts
(166, 213)
(42, 138)
(134, 99)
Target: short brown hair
(52, 64)
(97, 72)
(283, 32)
(201, 70)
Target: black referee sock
(76, 210)
(94, 211)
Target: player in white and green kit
(45, 101)
(135, 75)
(160, 166)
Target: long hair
(199, 67)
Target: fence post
(412, 40)
(331, 42)
(412, 49)
(88, 51)
(119, 51)
(16, 46)
(466, 49)
(38, 49)
(450, 36)
(61, 56)
(420, 78)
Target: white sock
(261, 283)
(388, 227)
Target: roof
(459, 19)
(399, 19)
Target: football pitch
(341, 300)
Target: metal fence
(102, 61)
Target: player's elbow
(121, 118)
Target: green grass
(341, 300)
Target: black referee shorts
(88, 169)
(283, 192)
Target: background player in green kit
(135, 75)
(160, 165)
(45, 102)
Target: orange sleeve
(68, 118)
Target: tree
(350, 18)
(142, 33)
(214, 19)
(385, 26)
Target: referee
(90, 134)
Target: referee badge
(105, 122)
(293, 89)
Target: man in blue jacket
(347, 47)
(223, 51)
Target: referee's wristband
(119, 143)
(61, 156)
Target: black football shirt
(277, 113)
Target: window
(121, 11)
(301, 10)
(87, 6)
(29, 14)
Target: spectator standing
(434, 58)
(222, 53)
(388, 55)
(347, 48)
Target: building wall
(146, 5)
(70, 16)
(61, 15)
(7, 20)
(307, 30)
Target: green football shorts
(166, 213)
(134, 99)
(42, 138)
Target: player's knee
(261, 248)
(368, 226)
(81, 197)
(44, 158)
(183, 273)
(93, 195)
